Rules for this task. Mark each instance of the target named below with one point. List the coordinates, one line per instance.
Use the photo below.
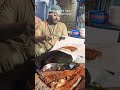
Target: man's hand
(8, 31)
(29, 25)
(48, 37)
(42, 38)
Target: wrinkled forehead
(58, 12)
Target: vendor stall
(62, 66)
(63, 58)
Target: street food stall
(63, 66)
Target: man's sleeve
(65, 32)
(38, 30)
(8, 11)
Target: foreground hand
(42, 38)
(48, 37)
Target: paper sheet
(78, 55)
(68, 41)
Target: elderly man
(50, 31)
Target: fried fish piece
(70, 83)
(67, 73)
(61, 83)
(71, 48)
(92, 54)
(48, 79)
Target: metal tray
(59, 67)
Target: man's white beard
(55, 21)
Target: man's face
(54, 17)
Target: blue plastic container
(76, 33)
(98, 16)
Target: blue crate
(98, 16)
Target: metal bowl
(59, 67)
(49, 66)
